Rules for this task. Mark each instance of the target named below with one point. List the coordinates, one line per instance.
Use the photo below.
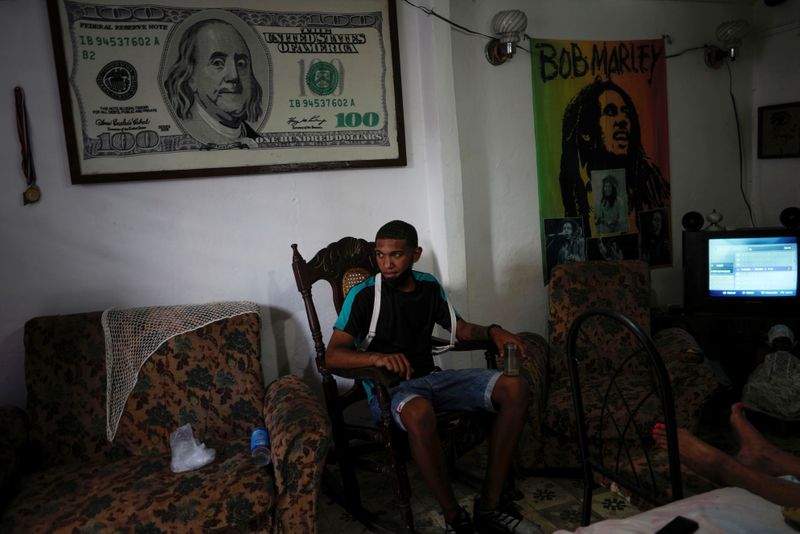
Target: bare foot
(759, 453)
(695, 453)
(660, 435)
(754, 450)
(722, 469)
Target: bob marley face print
(614, 123)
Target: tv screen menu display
(752, 267)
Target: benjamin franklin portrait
(212, 86)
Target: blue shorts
(449, 390)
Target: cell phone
(679, 525)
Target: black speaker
(790, 217)
(692, 221)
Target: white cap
(779, 331)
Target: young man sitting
(396, 334)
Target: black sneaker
(500, 522)
(506, 505)
(460, 525)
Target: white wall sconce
(730, 34)
(509, 27)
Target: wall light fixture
(730, 34)
(509, 27)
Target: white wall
(496, 134)
(470, 186)
(776, 81)
(91, 247)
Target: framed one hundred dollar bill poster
(154, 89)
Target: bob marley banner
(600, 116)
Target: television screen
(743, 271)
(752, 267)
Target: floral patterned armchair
(59, 472)
(623, 286)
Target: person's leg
(419, 420)
(413, 410)
(486, 390)
(718, 467)
(510, 397)
(757, 452)
(694, 453)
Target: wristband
(489, 330)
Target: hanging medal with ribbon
(32, 193)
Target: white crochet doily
(133, 334)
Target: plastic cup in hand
(511, 359)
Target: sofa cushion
(560, 418)
(574, 288)
(209, 377)
(141, 493)
(691, 388)
(577, 287)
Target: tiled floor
(552, 503)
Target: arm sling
(376, 310)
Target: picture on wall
(184, 88)
(779, 131)
(602, 146)
(564, 241)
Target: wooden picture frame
(163, 89)
(779, 131)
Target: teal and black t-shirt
(406, 320)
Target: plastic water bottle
(259, 447)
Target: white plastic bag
(773, 387)
(187, 452)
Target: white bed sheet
(725, 510)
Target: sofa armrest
(693, 382)
(535, 368)
(677, 344)
(300, 434)
(13, 440)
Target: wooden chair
(617, 402)
(344, 264)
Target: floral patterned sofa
(59, 473)
(623, 286)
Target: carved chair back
(343, 264)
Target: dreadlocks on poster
(600, 111)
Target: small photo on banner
(655, 241)
(610, 203)
(602, 145)
(617, 247)
(564, 242)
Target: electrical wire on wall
(708, 48)
(668, 56)
(429, 11)
(705, 47)
(741, 152)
